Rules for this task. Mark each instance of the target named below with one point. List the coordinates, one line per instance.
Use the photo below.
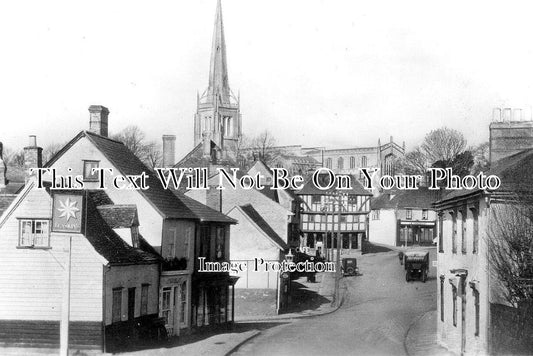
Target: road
(377, 311)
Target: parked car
(349, 267)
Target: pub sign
(67, 212)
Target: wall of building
(476, 264)
(151, 221)
(248, 243)
(131, 277)
(383, 230)
(178, 240)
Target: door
(131, 304)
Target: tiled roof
(119, 216)
(421, 198)
(5, 200)
(108, 244)
(310, 189)
(514, 171)
(203, 212)
(170, 205)
(263, 225)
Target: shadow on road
(304, 298)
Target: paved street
(378, 309)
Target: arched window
(340, 163)
(352, 162)
(363, 162)
(328, 163)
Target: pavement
(421, 339)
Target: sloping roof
(108, 244)
(249, 210)
(514, 171)
(421, 198)
(170, 205)
(119, 216)
(5, 200)
(195, 158)
(271, 194)
(311, 189)
(203, 212)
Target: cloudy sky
(333, 73)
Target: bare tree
(443, 144)
(414, 162)
(134, 138)
(13, 158)
(481, 158)
(263, 145)
(50, 151)
(510, 244)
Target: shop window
(34, 233)
(183, 301)
(166, 311)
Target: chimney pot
(98, 119)
(32, 141)
(169, 150)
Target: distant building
(320, 216)
(403, 217)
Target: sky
(337, 73)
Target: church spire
(218, 70)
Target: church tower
(218, 116)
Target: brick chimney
(169, 150)
(98, 119)
(3, 168)
(33, 155)
(511, 131)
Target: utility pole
(338, 268)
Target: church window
(340, 163)
(352, 162)
(329, 163)
(363, 162)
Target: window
(340, 163)
(463, 232)
(315, 199)
(441, 223)
(135, 236)
(329, 163)
(34, 233)
(441, 298)
(317, 218)
(424, 214)
(144, 299)
(363, 162)
(375, 214)
(476, 305)
(188, 239)
(117, 305)
(454, 296)
(343, 218)
(352, 162)
(88, 174)
(183, 301)
(454, 231)
(205, 250)
(408, 214)
(475, 215)
(166, 312)
(220, 243)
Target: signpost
(67, 217)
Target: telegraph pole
(338, 263)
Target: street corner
(421, 338)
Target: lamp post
(337, 199)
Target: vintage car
(349, 267)
(416, 265)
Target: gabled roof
(119, 216)
(421, 198)
(108, 244)
(258, 220)
(311, 189)
(163, 200)
(514, 172)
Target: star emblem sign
(68, 209)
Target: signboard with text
(67, 213)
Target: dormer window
(135, 236)
(88, 174)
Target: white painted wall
(383, 231)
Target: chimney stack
(169, 150)
(511, 131)
(3, 168)
(98, 119)
(33, 155)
